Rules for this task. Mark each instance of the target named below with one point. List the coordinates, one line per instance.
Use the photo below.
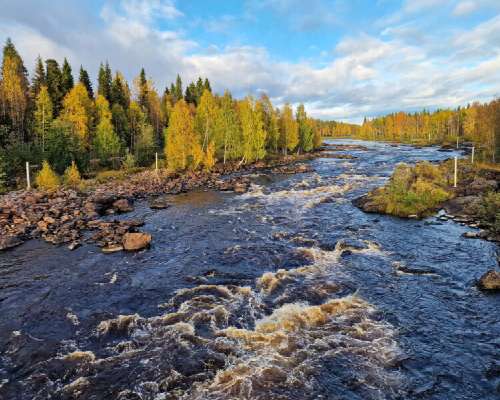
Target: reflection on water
(285, 292)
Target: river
(285, 292)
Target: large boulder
(134, 241)
(490, 281)
(366, 204)
(480, 185)
(466, 205)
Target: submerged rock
(113, 248)
(8, 242)
(122, 206)
(136, 241)
(160, 203)
(490, 281)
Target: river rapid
(285, 292)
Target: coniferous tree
(39, 78)
(177, 89)
(85, 80)
(120, 123)
(142, 88)
(120, 92)
(104, 81)
(206, 85)
(54, 84)
(66, 78)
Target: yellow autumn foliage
(47, 179)
(72, 176)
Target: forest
(70, 127)
(477, 124)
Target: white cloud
(405, 67)
(465, 8)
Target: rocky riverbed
(63, 216)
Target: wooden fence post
(28, 180)
(455, 175)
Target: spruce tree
(54, 84)
(67, 82)
(206, 85)
(143, 90)
(39, 78)
(84, 79)
(199, 90)
(104, 81)
(120, 92)
(178, 92)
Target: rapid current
(285, 292)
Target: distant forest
(477, 124)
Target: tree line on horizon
(477, 124)
(53, 118)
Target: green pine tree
(54, 84)
(67, 82)
(85, 80)
(39, 78)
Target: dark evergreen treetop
(39, 78)
(85, 80)
(66, 78)
(143, 90)
(54, 84)
(104, 81)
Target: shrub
(129, 162)
(47, 179)
(72, 176)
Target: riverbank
(64, 215)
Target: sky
(344, 59)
